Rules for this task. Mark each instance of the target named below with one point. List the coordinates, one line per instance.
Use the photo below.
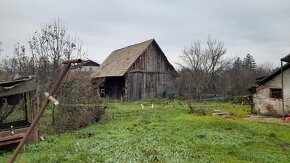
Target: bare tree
(53, 44)
(200, 66)
(9, 67)
(49, 47)
(2, 75)
(1, 48)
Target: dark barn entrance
(115, 87)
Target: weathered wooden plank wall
(150, 76)
(30, 105)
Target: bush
(80, 105)
(239, 100)
(197, 110)
(73, 117)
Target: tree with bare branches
(49, 47)
(53, 44)
(200, 65)
(1, 48)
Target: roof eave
(286, 58)
(273, 74)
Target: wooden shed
(135, 72)
(18, 104)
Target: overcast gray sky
(258, 27)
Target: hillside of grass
(166, 133)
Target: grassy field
(166, 133)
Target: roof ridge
(150, 40)
(120, 60)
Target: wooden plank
(14, 81)
(11, 139)
(10, 142)
(149, 72)
(23, 87)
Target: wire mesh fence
(18, 105)
(15, 111)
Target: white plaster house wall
(266, 105)
(88, 68)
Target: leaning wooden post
(43, 107)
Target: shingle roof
(119, 61)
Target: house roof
(273, 74)
(90, 63)
(119, 61)
(286, 58)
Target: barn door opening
(115, 87)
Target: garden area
(164, 132)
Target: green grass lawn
(166, 133)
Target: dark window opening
(276, 93)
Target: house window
(276, 93)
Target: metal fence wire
(17, 111)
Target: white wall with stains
(266, 105)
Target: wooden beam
(22, 87)
(11, 139)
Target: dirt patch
(285, 146)
(260, 118)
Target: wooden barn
(135, 72)
(18, 107)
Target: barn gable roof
(119, 61)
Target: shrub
(80, 105)
(239, 100)
(197, 110)
(73, 117)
